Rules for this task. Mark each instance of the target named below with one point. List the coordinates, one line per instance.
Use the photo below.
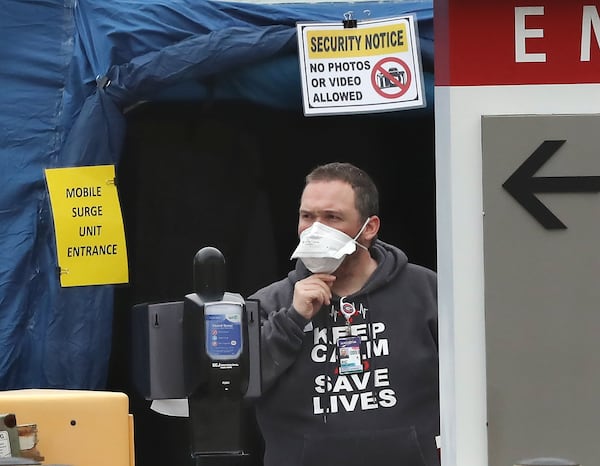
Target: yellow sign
(90, 237)
(353, 42)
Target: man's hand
(312, 293)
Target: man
(349, 339)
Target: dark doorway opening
(229, 175)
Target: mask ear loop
(360, 233)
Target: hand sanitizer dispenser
(220, 344)
(205, 348)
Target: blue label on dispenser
(223, 330)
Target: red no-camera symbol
(391, 78)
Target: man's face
(331, 203)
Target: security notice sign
(373, 67)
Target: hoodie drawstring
(330, 363)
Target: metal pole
(546, 462)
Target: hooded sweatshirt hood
(390, 262)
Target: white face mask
(322, 249)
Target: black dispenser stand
(219, 384)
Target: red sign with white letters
(516, 42)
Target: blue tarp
(69, 69)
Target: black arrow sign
(522, 185)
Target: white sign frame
(373, 67)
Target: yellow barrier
(76, 427)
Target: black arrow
(522, 185)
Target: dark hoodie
(388, 414)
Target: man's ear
(372, 228)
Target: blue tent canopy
(69, 70)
